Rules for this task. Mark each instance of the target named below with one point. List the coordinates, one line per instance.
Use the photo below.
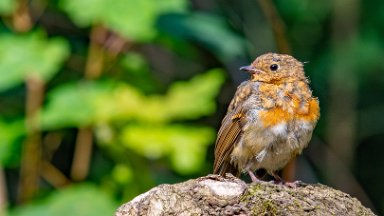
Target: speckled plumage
(270, 119)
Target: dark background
(102, 100)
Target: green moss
(268, 207)
(252, 191)
(255, 188)
(261, 205)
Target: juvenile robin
(270, 119)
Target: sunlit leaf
(194, 98)
(79, 200)
(185, 145)
(89, 103)
(122, 174)
(22, 56)
(184, 99)
(73, 105)
(7, 6)
(133, 19)
(207, 29)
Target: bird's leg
(278, 179)
(253, 177)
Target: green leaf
(133, 19)
(122, 174)
(7, 6)
(210, 30)
(23, 56)
(185, 145)
(74, 105)
(79, 200)
(195, 98)
(184, 100)
(10, 145)
(90, 103)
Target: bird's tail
(226, 167)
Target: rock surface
(216, 195)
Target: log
(216, 195)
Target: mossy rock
(216, 195)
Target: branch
(31, 153)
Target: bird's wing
(230, 132)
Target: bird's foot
(291, 184)
(294, 184)
(280, 181)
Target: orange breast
(278, 115)
(313, 113)
(274, 116)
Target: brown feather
(230, 134)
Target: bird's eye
(274, 67)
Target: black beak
(248, 68)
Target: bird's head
(275, 68)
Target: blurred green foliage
(132, 19)
(7, 6)
(151, 81)
(205, 28)
(10, 134)
(160, 125)
(82, 200)
(19, 59)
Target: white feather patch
(280, 129)
(261, 155)
(305, 126)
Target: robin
(269, 121)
